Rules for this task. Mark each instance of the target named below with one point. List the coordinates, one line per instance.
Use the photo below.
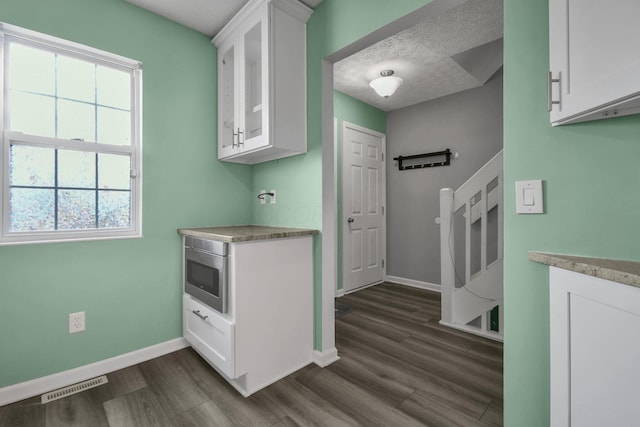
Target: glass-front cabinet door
(262, 82)
(254, 133)
(228, 125)
(243, 88)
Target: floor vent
(73, 389)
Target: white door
(363, 199)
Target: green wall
(591, 179)
(348, 109)
(130, 289)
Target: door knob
(349, 220)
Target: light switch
(529, 197)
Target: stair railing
(476, 306)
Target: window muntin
(53, 189)
(67, 98)
(71, 141)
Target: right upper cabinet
(594, 59)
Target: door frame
(327, 353)
(383, 203)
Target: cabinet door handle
(233, 140)
(550, 82)
(197, 313)
(240, 133)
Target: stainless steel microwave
(205, 271)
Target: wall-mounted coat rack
(418, 165)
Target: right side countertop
(625, 272)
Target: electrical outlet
(273, 198)
(76, 322)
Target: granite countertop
(625, 272)
(245, 233)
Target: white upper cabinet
(594, 58)
(262, 104)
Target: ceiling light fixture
(386, 85)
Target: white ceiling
(457, 50)
(205, 16)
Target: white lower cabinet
(595, 350)
(267, 333)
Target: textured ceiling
(205, 16)
(455, 51)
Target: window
(71, 140)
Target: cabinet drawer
(211, 334)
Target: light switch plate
(529, 197)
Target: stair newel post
(447, 268)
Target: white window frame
(53, 44)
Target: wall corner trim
(326, 357)
(27, 389)
(414, 283)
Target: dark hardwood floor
(398, 367)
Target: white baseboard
(361, 288)
(326, 357)
(27, 389)
(475, 331)
(339, 293)
(414, 283)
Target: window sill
(22, 240)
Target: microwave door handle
(200, 251)
(202, 257)
(207, 253)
